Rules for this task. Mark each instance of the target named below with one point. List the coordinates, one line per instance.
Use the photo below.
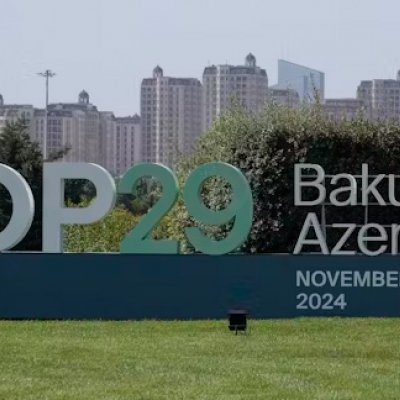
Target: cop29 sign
(56, 214)
(138, 286)
(239, 211)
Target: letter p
(55, 214)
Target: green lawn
(298, 359)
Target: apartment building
(225, 85)
(170, 116)
(381, 98)
(85, 133)
(127, 143)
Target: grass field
(298, 359)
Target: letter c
(23, 207)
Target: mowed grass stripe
(288, 359)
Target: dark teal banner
(121, 286)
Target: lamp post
(46, 74)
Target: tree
(78, 190)
(145, 194)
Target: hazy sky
(108, 46)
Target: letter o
(322, 275)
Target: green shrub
(103, 236)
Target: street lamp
(46, 74)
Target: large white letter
(316, 183)
(370, 188)
(392, 191)
(352, 189)
(337, 249)
(311, 221)
(362, 239)
(23, 206)
(55, 214)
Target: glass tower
(305, 81)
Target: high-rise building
(108, 141)
(75, 126)
(381, 98)
(127, 143)
(170, 116)
(224, 84)
(305, 81)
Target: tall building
(305, 81)
(127, 143)
(108, 141)
(225, 84)
(94, 136)
(170, 116)
(381, 97)
(347, 109)
(75, 126)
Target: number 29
(239, 211)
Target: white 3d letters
(299, 183)
(23, 207)
(55, 214)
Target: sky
(108, 46)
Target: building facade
(127, 143)
(381, 98)
(223, 85)
(305, 81)
(170, 116)
(285, 97)
(14, 112)
(343, 109)
(75, 126)
(82, 132)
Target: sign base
(124, 287)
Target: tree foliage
(144, 195)
(103, 236)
